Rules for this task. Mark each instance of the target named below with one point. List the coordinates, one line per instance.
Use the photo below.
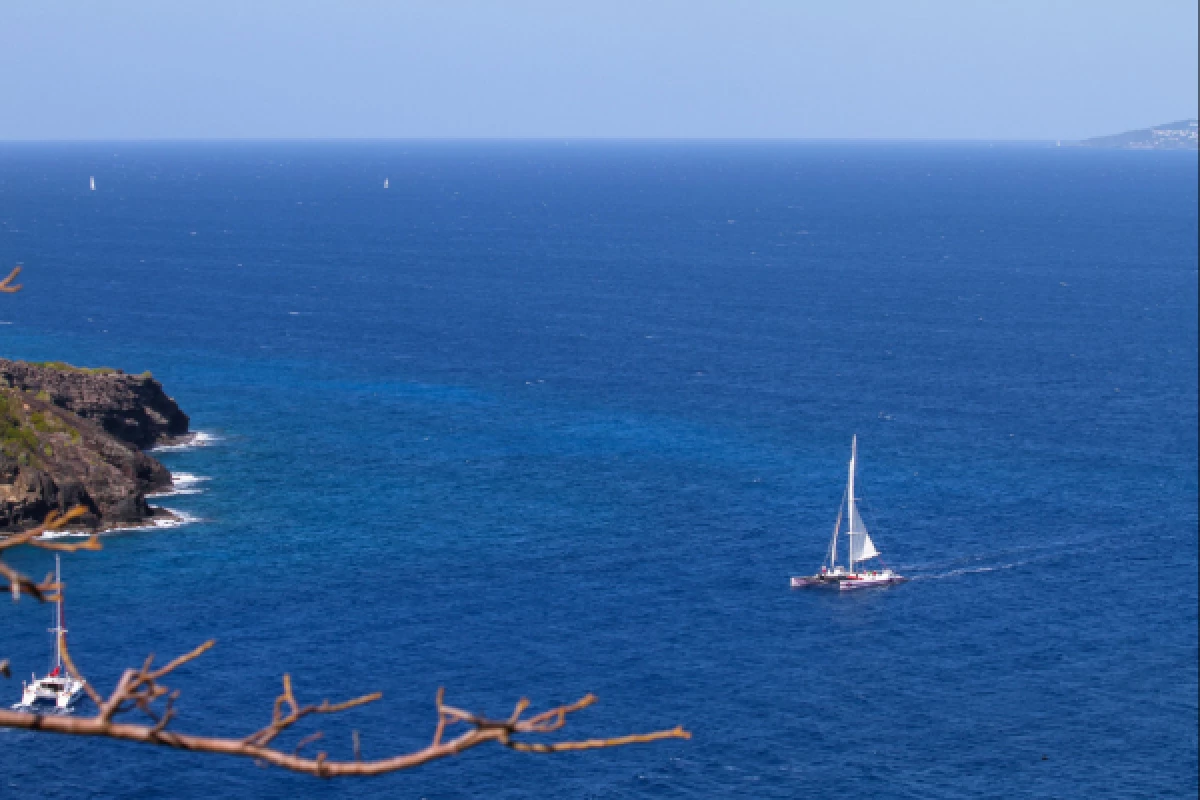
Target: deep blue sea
(550, 418)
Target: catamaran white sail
(59, 688)
(859, 548)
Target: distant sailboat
(92, 183)
(860, 549)
(385, 183)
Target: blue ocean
(549, 418)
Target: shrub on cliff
(15, 437)
(63, 366)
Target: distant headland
(1181, 135)
(75, 436)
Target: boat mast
(58, 629)
(850, 501)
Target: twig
(140, 689)
(482, 732)
(6, 284)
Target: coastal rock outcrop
(133, 408)
(71, 437)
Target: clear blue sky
(970, 69)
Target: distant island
(1181, 135)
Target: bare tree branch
(140, 690)
(19, 584)
(6, 284)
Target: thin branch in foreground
(139, 689)
(6, 284)
(19, 584)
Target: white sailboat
(860, 548)
(58, 689)
(385, 183)
(92, 183)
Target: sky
(859, 69)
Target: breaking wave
(190, 442)
(177, 520)
(183, 483)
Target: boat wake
(999, 561)
(190, 442)
(956, 573)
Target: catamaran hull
(844, 584)
(869, 583)
(35, 697)
(814, 582)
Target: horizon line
(235, 139)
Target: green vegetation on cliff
(16, 437)
(63, 366)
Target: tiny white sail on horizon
(92, 183)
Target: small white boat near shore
(860, 548)
(59, 689)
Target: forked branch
(7, 286)
(19, 584)
(139, 689)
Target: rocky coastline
(77, 436)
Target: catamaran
(59, 688)
(860, 548)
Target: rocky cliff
(133, 408)
(70, 436)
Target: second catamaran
(59, 689)
(860, 548)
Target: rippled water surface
(543, 419)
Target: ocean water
(550, 418)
